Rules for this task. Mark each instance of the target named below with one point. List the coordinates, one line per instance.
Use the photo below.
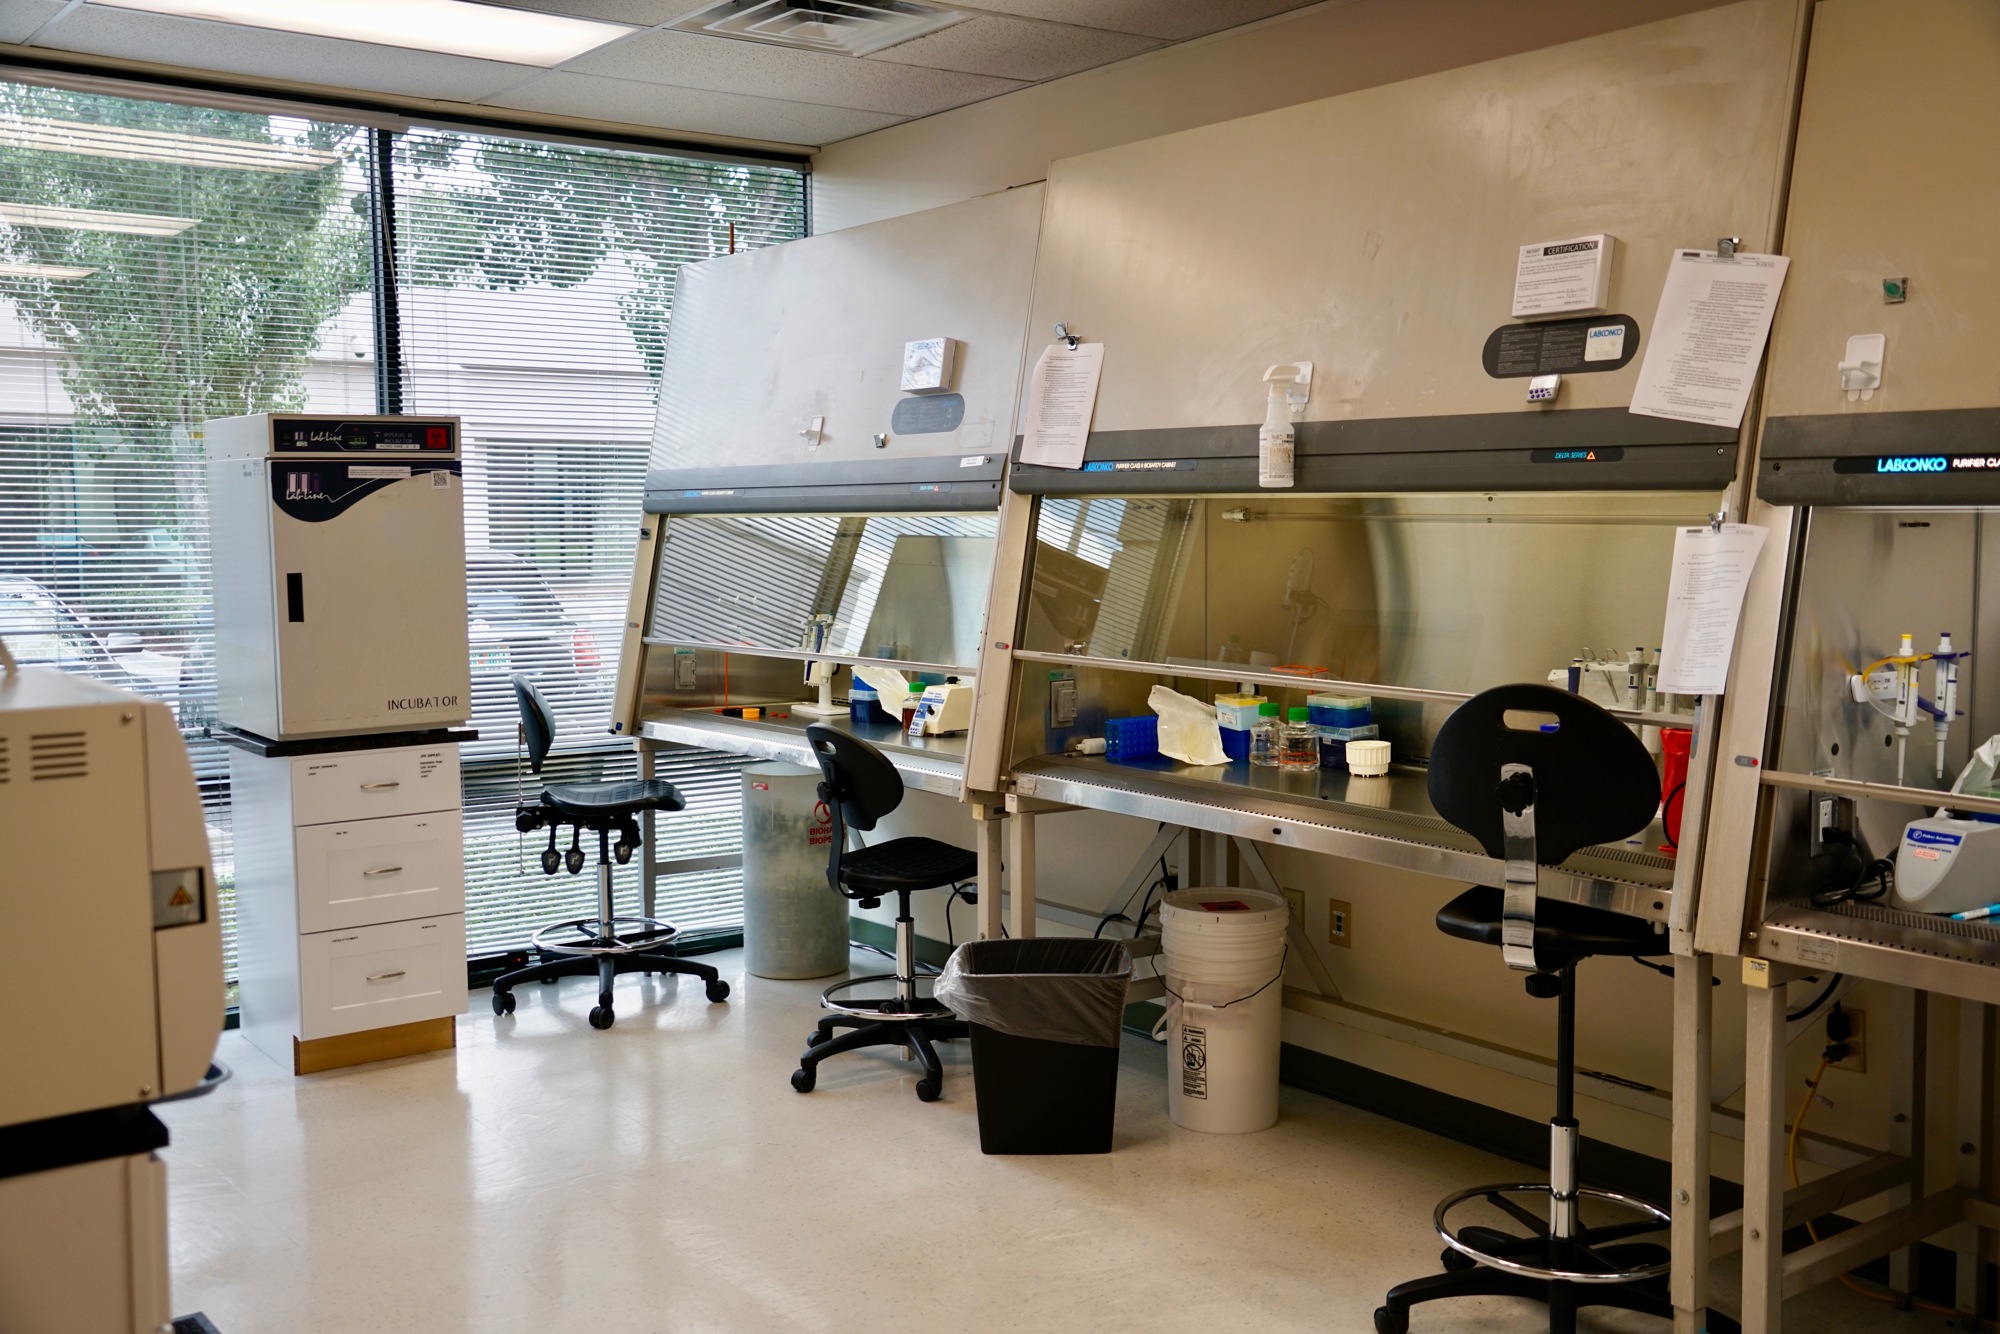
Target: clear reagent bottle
(1298, 744)
(1264, 736)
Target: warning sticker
(177, 898)
(1194, 1063)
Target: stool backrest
(860, 781)
(538, 723)
(1594, 781)
(861, 787)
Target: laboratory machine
(338, 554)
(1853, 837)
(820, 540)
(1335, 479)
(107, 853)
(343, 672)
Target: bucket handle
(1167, 1014)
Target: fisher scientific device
(102, 822)
(339, 564)
(942, 710)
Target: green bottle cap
(1267, 710)
(1300, 715)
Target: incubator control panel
(285, 436)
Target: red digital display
(437, 437)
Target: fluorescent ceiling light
(92, 220)
(454, 27)
(188, 150)
(58, 272)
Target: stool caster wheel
(814, 1038)
(804, 1078)
(1391, 1322)
(601, 1016)
(503, 1002)
(929, 1090)
(1455, 1262)
(718, 991)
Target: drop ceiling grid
(667, 79)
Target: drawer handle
(386, 870)
(385, 977)
(377, 787)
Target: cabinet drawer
(387, 870)
(364, 784)
(375, 976)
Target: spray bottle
(1286, 387)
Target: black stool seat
(588, 801)
(907, 863)
(1564, 932)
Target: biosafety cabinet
(1447, 528)
(825, 491)
(339, 566)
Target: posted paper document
(1708, 337)
(1704, 602)
(1062, 393)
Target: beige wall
(1323, 51)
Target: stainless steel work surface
(927, 764)
(1385, 821)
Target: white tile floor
(663, 1176)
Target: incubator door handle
(378, 787)
(386, 977)
(386, 870)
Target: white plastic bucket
(1222, 955)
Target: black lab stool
(1532, 797)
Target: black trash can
(1045, 1017)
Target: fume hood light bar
(92, 220)
(53, 272)
(183, 150)
(836, 27)
(448, 27)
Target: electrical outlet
(1339, 922)
(1857, 1046)
(1295, 904)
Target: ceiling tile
(227, 48)
(1012, 48)
(726, 65)
(1174, 20)
(690, 110)
(20, 18)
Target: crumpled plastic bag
(889, 684)
(1189, 731)
(1058, 989)
(1981, 773)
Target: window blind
(159, 265)
(535, 284)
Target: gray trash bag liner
(1058, 990)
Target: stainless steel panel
(1387, 822)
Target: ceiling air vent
(57, 755)
(840, 27)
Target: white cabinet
(350, 892)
